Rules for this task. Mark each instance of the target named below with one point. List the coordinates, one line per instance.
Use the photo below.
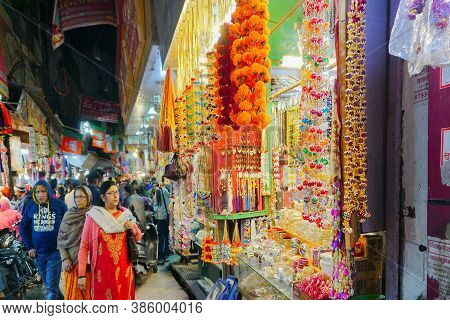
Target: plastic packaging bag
(436, 40)
(421, 34)
(404, 41)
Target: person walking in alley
(161, 204)
(69, 239)
(69, 199)
(136, 204)
(39, 229)
(92, 180)
(20, 192)
(104, 240)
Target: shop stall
(267, 142)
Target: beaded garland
(315, 113)
(354, 129)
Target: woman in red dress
(104, 241)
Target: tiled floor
(157, 286)
(160, 286)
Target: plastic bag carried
(421, 34)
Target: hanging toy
(207, 244)
(226, 245)
(236, 245)
(216, 248)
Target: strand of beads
(315, 111)
(190, 114)
(354, 127)
(180, 123)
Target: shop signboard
(438, 137)
(438, 268)
(438, 216)
(103, 111)
(71, 14)
(133, 38)
(77, 14)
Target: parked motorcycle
(148, 248)
(17, 269)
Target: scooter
(17, 269)
(148, 247)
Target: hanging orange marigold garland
(250, 56)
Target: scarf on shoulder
(71, 228)
(107, 222)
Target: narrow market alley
(224, 150)
(156, 286)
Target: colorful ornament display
(315, 113)
(226, 245)
(216, 250)
(354, 134)
(207, 244)
(250, 56)
(315, 287)
(236, 245)
(180, 124)
(237, 176)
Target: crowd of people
(82, 231)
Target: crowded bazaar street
(207, 150)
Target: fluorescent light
(87, 172)
(135, 154)
(152, 117)
(292, 62)
(146, 125)
(24, 151)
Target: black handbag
(133, 252)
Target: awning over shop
(88, 162)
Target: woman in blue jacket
(39, 229)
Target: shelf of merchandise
(199, 244)
(237, 216)
(285, 290)
(310, 243)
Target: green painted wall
(284, 41)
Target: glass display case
(260, 282)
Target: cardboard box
(369, 269)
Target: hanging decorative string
(354, 126)
(198, 30)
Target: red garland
(225, 89)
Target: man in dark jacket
(136, 204)
(92, 180)
(39, 229)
